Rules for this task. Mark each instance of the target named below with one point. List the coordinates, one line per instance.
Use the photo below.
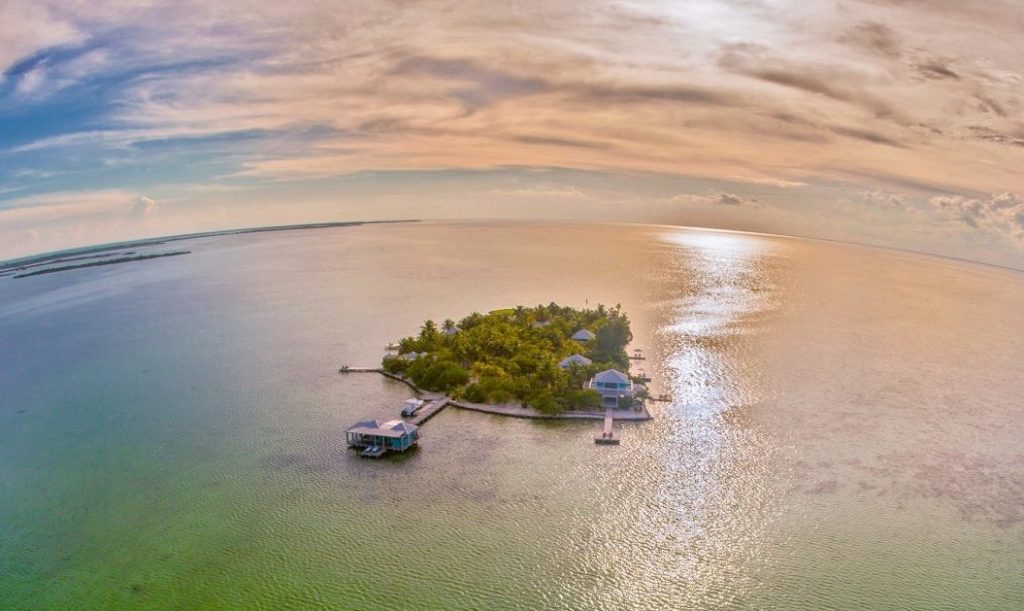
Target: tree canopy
(514, 355)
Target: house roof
(391, 428)
(583, 335)
(612, 376)
(450, 330)
(579, 359)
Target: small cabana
(576, 359)
(583, 335)
(376, 438)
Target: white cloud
(144, 206)
(1001, 214)
(542, 192)
(884, 199)
(29, 27)
(720, 198)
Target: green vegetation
(514, 355)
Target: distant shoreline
(128, 259)
(16, 264)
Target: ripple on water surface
(825, 446)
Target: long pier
(386, 374)
(428, 411)
(436, 402)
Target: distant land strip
(51, 270)
(69, 259)
(15, 265)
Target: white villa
(583, 336)
(612, 385)
(577, 359)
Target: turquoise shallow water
(844, 432)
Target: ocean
(844, 429)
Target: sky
(897, 123)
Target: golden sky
(895, 122)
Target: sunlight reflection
(722, 285)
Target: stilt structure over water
(376, 438)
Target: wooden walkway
(607, 433)
(347, 369)
(428, 411)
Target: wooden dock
(429, 410)
(347, 369)
(607, 433)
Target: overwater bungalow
(376, 438)
(576, 359)
(614, 386)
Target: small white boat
(410, 407)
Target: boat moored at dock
(411, 406)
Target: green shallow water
(844, 431)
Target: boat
(410, 407)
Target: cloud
(563, 142)
(884, 199)
(936, 68)
(473, 84)
(875, 37)
(144, 206)
(832, 81)
(542, 192)
(719, 199)
(866, 135)
(1002, 214)
(858, 94)
(29, 27)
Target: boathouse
(583, 335)
(576, 359)
(376, 438)
(613, 386)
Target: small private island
(542, 362)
